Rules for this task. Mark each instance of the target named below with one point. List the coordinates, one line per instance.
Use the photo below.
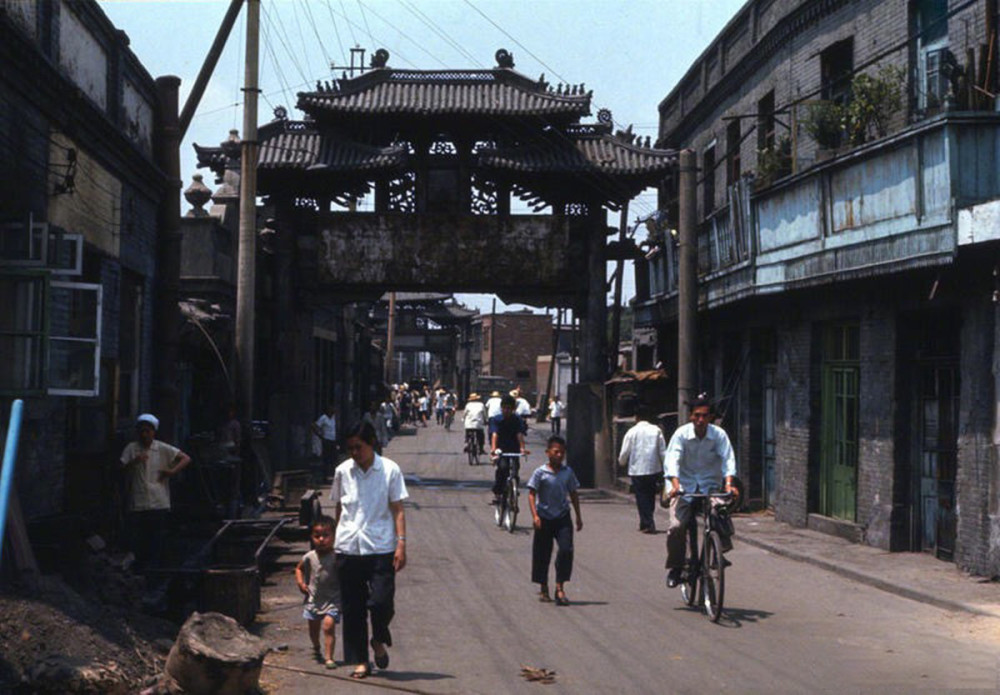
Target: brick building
(79, 197)
(511, 344)
(847, 279)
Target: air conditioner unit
(26, 243)
(23, 242)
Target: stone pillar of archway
(594, 361)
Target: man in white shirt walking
(700, 459)
(644, 450)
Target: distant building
(79, 191)
(847, 275)
(512, 342)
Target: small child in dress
(548, 489)
(316, 576)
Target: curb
(863, 578)
(854, 575)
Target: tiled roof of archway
(298, 146)
(583, 149)
(495, 92)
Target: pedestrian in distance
(556, 410)
(370, 542)
(507, 438)
(439, 406)
(149, 465)
(551, 489)
(316, 577)
(699, 460)
(644, 451)
(325, 428)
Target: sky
(630, 53)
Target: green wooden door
(839, 435)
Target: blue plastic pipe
(9, 457)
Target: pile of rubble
(86, 637)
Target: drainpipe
(168, 260)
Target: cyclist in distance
(699, 459)
(507, 438)
(475, 419)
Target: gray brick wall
(793, 423)
(977, 459)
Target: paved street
(467, 617)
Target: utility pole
(616, 310)
(687, 286)
(247, 257)
(390, 337)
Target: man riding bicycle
(507, 438)
(699, 459)
(475, 420)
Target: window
(51, 338)
(22, 332)
(733, 151)
(836, 70)
(708, 180)
(931, 20)
(74, 339)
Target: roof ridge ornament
(505, 59)
(380, 59)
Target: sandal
(362, 671)
(331, 664)
(382, 661)
(543, 595)
(561, 599)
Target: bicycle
(472, 447)
(703, 578)
(449, 417)
(505, 513)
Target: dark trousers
(644, 487)
(480, 437)
(500, 477)
(367, 588)
(147, 534)
(560, 530)
(329, 457)
(556, 425)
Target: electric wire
(336, 30)
(364, 18)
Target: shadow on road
(404, 676)
(735, 617)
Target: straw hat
(495, 394)
(473, 396)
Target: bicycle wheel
(714, 577)
(689, 584)
(472, 450)
(510, 518)
(499, 510)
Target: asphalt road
(467, 616)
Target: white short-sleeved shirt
(366, 526)
(556, 409)
(492, 407)
(475, 415)
(522, 407)
(327, 427)
(147, 492)
(644, 449)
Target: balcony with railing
(901, 202)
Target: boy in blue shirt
(548, 489)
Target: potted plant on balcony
(825, 123)
(874, 101)
(774, 162)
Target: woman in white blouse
(370, 542)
